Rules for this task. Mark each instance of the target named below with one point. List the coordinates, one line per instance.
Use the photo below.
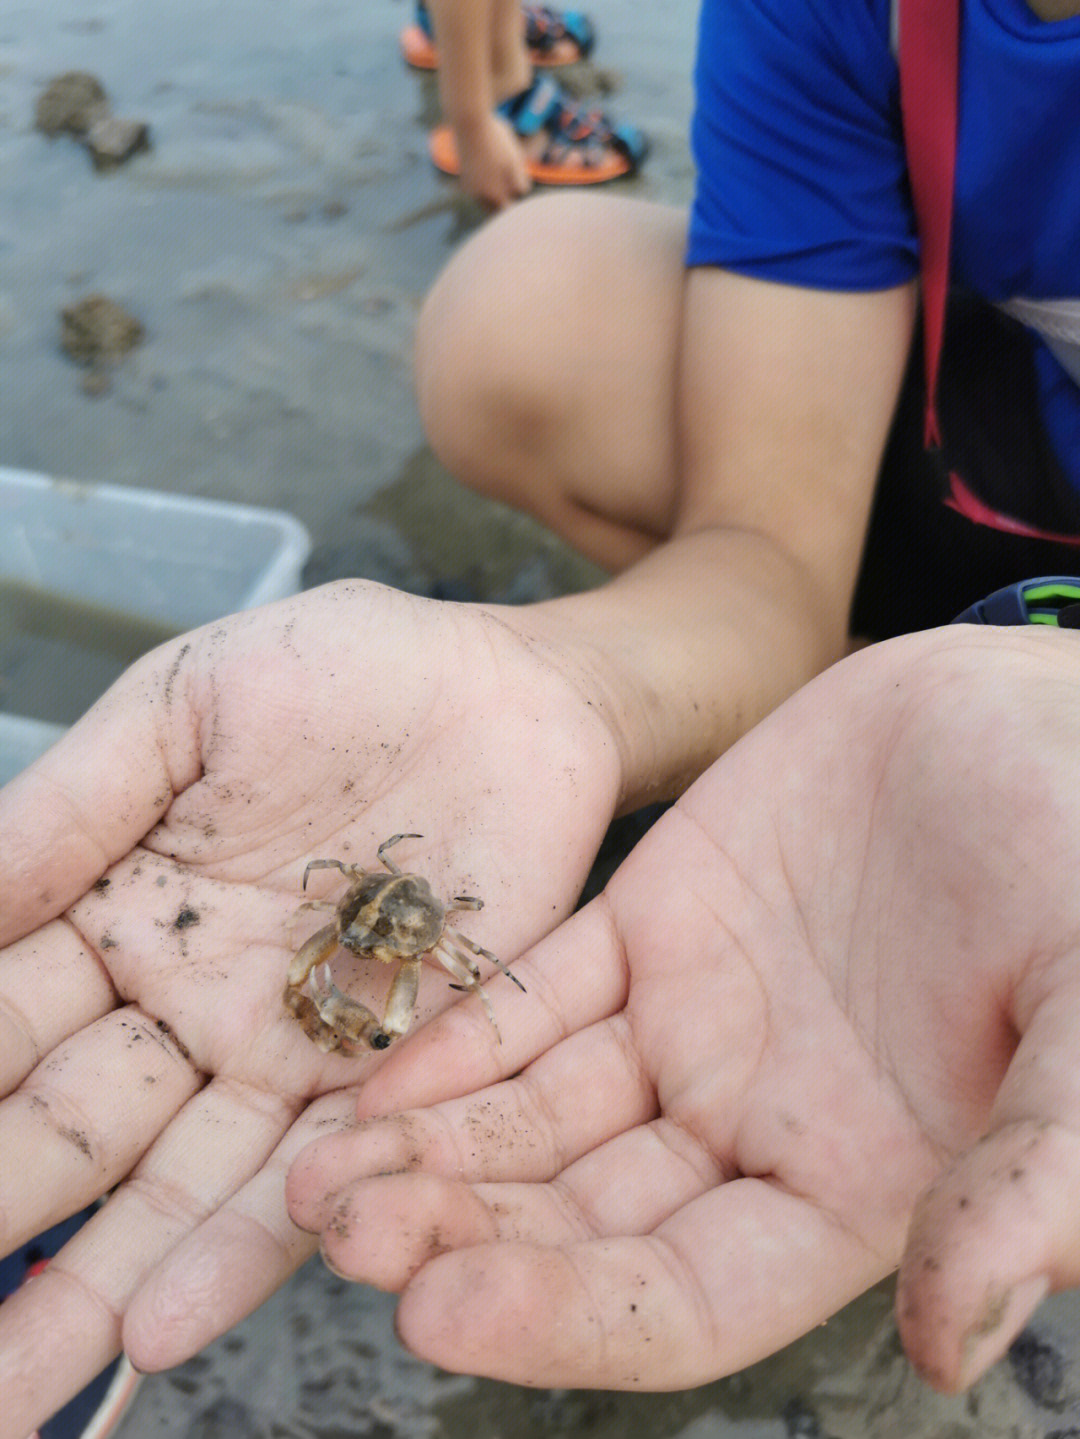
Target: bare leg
(546, 367)
(511, 69)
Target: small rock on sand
(112, 140)
(97, 328)
(71, 104)
(97, 332)
(75, 103)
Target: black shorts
(923, 562)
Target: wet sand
(275, 243)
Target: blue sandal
(583, 146)
(546, 31)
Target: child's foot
(553, 37)
(565, 143)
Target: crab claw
(353, 1023)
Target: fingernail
(1001, 1320)
(333, 1268)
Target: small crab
(393, 917)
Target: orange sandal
(583, 147)
(545, 30)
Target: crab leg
(387, 844)
(326, 906)
(348, 870)
(317, 950)
(401, 1002)
(465, 971)
(486, 954)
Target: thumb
(97, 791)
(998, 1231)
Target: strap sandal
(558, 37)
(553, 37)
(583, 147)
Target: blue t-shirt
(802, 174)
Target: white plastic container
(169, 560)
(21, 741)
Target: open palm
(825, 1018)
(151, 863)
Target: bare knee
(487, 335)
(545, 365)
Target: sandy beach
(274, 244)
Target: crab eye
(380, 1040)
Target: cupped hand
(151, 862)
(824, 1021)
